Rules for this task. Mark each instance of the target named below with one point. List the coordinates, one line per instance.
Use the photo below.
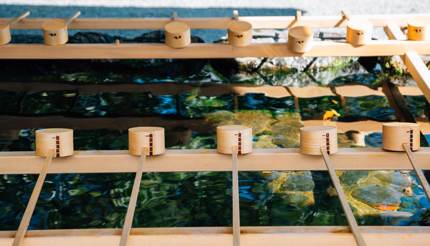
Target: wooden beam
(215, 236)
(257, 22)
(117, 123)
(210, 89)
(155, 88)
(200, 125)
(209, 160)
(419, 72)
(415, 65)
(357, 91)
(206, 50)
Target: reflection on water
(204, 199)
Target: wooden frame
(215, 236)
(210, 160)
(257, 22)
(206, 50)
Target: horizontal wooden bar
(118, 123)
(251, 236)
(8, 122)
(206, 50)
(257, 22)
(154, 88)
(206, 89)
(209, 160)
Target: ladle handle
(417, 169)
(19, 18)
(76, 15)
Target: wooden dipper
(229, 136)
(239, 33)
(58, 139)
(142, 141)
(55, 31)
(177, 34)
(313, 138)
(358, 32)
(234, 140)
(322, 140)
(395, 134)
(148, 137)
(404, 136)
(300, 39)
(417, 31)
(50, 143)
(5, 36)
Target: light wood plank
(419, 72)
(357, 91)
(299, 236)
(258, 22)
(149, 51)
(210, 160)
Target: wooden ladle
(55, 31)
(5, 36)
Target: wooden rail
(208, 89)
(258, 22)
(209, 160)
(216, 236)
(205, 50)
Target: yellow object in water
(330, 114)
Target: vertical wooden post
(235, 195)
(128, 222)
(31, 205)
(346, 208)
(418, 170)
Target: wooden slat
(310, 91)
(149, 51)
(362, 126)
(258, 22)
(413, 62)
(410, 91)
(200, 125)
(252, 236)
(357, 91)
(210, 89)
(209, 160)
(419, 72)
(154, 88)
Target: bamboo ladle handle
(31, 205)
(417, 170)
(76, 15)
(19, 18)
(235, 195)
(128, 222)
(346, 208)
